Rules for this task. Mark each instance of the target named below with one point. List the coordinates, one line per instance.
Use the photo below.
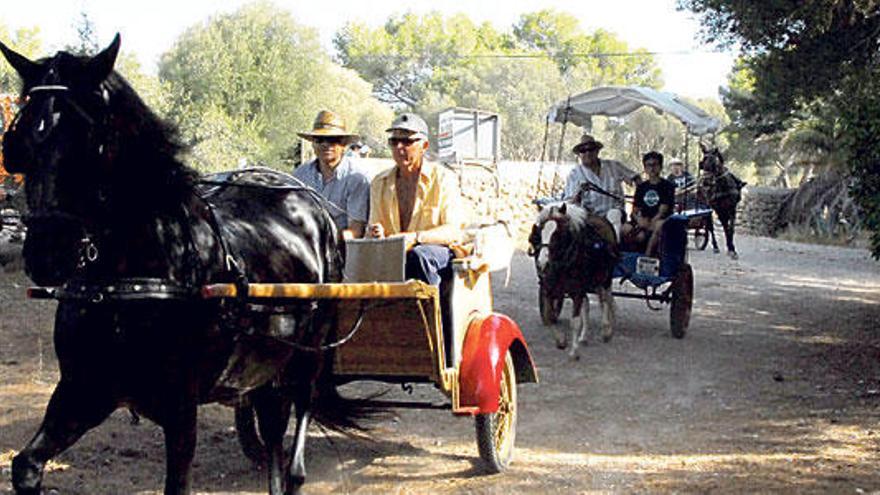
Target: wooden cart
(394, 335)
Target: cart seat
(696, 212)
(673, 247)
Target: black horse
(119, 224)
(722, 191)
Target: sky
(149, 28)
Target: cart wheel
(549, 307)
(248, 436)
(701, 238)
(682, 301)
(496, 432)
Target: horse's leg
(606, 300)
(729, 232)
(179, 424)
(273, 414)
(576, 324)
(583, 335)
(559, 334)
(727, 219)
(73, 410)
(303, 396)
(710, 228)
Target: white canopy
(615, 101)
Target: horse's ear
(562, 208)
(703, 148)
(101, 65)
(27, 69)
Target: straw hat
(587, 142)
(328, 124)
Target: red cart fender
(482, 360)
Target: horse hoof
(295, 484)
(561, 345)
(26, 477)
(733, 255)
(606, 338)
(716, 250)
(575, 357)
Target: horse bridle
(47, 122)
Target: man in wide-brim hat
(596, 184)
(334, 175)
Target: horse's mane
(148, 146)
(576, 215)
(578, 250)
(579, 231)
(143, 149)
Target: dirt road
(775, 388)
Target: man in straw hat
(334, 175)
(596, 184)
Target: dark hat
(328, 124)
(409, 122)
(587, 142)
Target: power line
(535, 55)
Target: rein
(589, 186)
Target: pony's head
(66, 140)
(712, 161)
(552, 231)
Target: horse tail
(333, 411)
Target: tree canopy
(808, 61)
(242, 84)
(25, 41)
(426, 63)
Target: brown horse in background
(721, 190)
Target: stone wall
(759, 211)
(506, 191)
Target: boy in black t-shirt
(654, 201)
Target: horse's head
(58, 141)
(550, 230)
(712, 161)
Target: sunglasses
(402, 140)
(327, 140)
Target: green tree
(802, 53)
(521, 92)
(25, 41)
(412, 56)
(242, 84)
(87, 42)
(428, 63)
(586, 59)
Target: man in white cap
(334, 175)
(685, 185)
(421, 201)
(596, 184)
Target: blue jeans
(432, 263)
